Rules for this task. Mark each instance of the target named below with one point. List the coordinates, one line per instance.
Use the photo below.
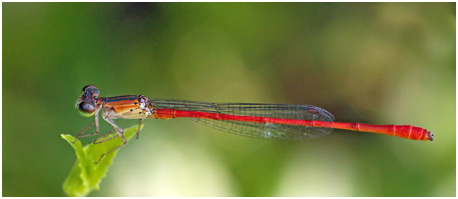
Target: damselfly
(268, 121)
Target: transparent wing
(225, 116)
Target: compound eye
(86, 109)
(91, 90)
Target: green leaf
(86, 175)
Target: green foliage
(86, 175)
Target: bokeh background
(379, 63)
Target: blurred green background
(378, 63)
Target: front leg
(97, 128)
